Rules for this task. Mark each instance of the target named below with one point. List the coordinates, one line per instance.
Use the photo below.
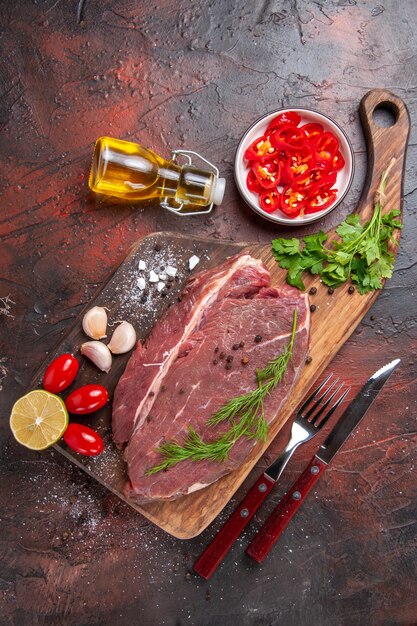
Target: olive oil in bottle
(130, 171)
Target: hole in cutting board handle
(385, 114)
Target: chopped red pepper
(299, 162)
(291, 118)
(315, 176)
(313, 133)
(288, 138)
(270, 201)
(267, 173)
(338, 162)
(252, 183)
(326, 147)
(260, 149)
(320, 197)
(293, 200)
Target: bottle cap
(217, 192)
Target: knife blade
(276, 523)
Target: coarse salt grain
(141, 283)
(193, 261)
(153, 278)
(171, 271)
(162, 276)
(160, 285)
(142, 265)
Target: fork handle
(264, 540)
(215, 552)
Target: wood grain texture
(194, 75)
(333, 322)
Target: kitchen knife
(264, 540)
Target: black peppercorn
(351, 289)
(258, 338)
(235, 346)
(216, 349)
(222, 355)
(228, 366)
(313, 291)
(151, 393)
(164, 292)
(313, 308)
(242, 343)
(229, 359)
(215, 361)
(143, 299)
(157, 247)
(309, 359)
(330, 290)
(372, 318)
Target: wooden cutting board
(333, 322)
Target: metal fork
(306, 425)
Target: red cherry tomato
(87, 399)
(60, 373)
(83, 440)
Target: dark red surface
(278, 520)
(194, 75)
(216, 551)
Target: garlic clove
(123, 340)
(98, 353)
(95, 322)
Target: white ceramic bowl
(258, 128)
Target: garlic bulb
(95, 322)
(98, 353)
(124, 338)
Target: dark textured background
(194, 75)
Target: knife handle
(215, 552)
(276, 523)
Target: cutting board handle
(384, 143)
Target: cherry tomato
(60, 373)
(270, 201)
(86, 399)
(252, 183)
(83, 440)
(291, 118)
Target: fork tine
(313, 395)
(334, 407)
(325, 405)
(316, 404)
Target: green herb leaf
(361, 254)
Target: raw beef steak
(178, 378)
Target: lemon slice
(38, 419)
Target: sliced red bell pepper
(270, 201)
(291, 118)
(326, 147)
(320, 198)
(293, 200)
(288, 138)
(252, 182)
(313, 132)
(260, 149)
(268, 173)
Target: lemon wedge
(38, 419)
